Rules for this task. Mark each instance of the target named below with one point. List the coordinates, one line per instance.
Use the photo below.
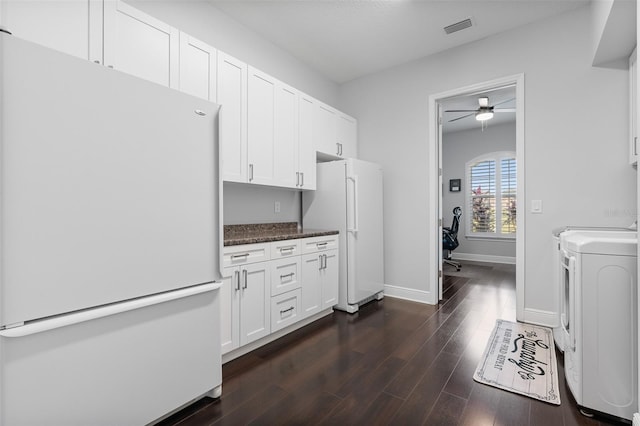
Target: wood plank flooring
(394, 362)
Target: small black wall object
(454, 185)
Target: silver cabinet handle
(337, 148)
(237, 256)
(250, 172)
(288, 249)
(287, 276)
(635, 145)
(96, 61)
(244, 277)
(302, 178)
(287, 310)
(237, 279)
(319, 262)
(340, 148)
(321, 245)
(297, 178)
(324, 256)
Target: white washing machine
(599, 319)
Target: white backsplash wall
(457, 149)
(244, 203)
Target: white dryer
(599, 319)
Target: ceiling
(505, 97)
(347, 39)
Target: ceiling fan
(484, 112)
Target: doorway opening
(439, 218)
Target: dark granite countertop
(266, 232)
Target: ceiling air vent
(466, 23)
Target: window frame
(497, 157)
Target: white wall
(576, 155)
(255, 204)
(457, 149)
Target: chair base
(453, 263)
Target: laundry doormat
(521, 358)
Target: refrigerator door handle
(116, 308)
(354, 179)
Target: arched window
(491, 195)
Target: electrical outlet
(276, 207)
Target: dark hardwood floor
(394, 362)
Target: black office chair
(450, 238)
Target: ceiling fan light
(484, 115)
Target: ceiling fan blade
(460, 110)
(460, 118)
(504, 102)
(504, 110)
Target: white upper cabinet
(232, 96)
(325, 129)
(71, 26)
(285, 149)
(261, 126)
(139, 44)
(306, 177)
(347, 136)
(272, 131)
(198, 68)
(335, 133)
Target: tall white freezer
(349, 198)
(110, 243)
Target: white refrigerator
(349, 198)
(110, 243)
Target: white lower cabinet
(319, 281)
(246, 304)
(270, 286)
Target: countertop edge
(271, 238)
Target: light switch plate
(276, 207)
(536, 206)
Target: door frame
(435, 187)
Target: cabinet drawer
(246, 253)
(315, 244)
(285, 248)
(285, 275)
(285, 309)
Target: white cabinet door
(70, 26)
(306, 179)
(325, 129)
(198, 64)
(230, 309)
(261, 125)
(285, 148)
(329, 279)
(255, 302)
(232, 97)
(139, 44)
(311, 290)
(347, 136)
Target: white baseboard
(483, 258)
(636, 419)
(539, 317)
(412, 294)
